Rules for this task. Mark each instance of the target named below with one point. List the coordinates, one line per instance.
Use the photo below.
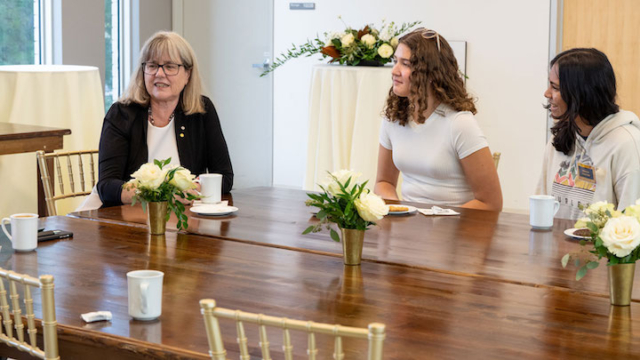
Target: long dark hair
(432, 64)
(588, 87)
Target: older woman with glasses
(162, 114)
(430, 134)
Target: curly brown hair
(432, 64)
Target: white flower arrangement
(614, 235)
(155, 182)
(350, 47)
(347, 203)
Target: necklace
(153, 122)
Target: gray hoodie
(604, 167)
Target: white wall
(229, 37)
(507, 58)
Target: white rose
(371, 207)
(331, 183)
(149, 176)
(394, 42)
(385, 51)
(347, 40)
(387, 32)
(633, 210)
(369, 40)
(183, 180)
(330, 36)
(599, 207)
(621, 235)
(581, 223)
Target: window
(112, 88)
(20, 41)
(117, 35)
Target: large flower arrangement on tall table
(614, 235)
(157, 188)
(349, 205)
(370, 45)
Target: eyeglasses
(430, 34)
(169, 69)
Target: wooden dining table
(478, 285)
(20, 138)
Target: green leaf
(577, 262)
(581, 273)
(308, 230)
(592, 227)
(158, 163)
(565, 260)
(144, 205)
(321, 214)
(592, 265)
(334, 235)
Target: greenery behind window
(17, 40)
(110, 94)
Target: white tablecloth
(345, 109)
(61, 96)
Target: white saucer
(411, 210)
(569, 233)
(213, 210)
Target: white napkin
(220, 204)
(436, 210)
(97, 316)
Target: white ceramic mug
(145, 294)
(542, 209)
(24, 231)
(211, 188)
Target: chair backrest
(67, 178)
(13, 332)
(211, 313)
(496, 158)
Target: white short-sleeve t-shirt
(428, 155)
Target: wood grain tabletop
(428, 314)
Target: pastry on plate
(397, 208)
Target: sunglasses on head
(430, 34)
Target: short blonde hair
(180, 52)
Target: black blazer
(123, 147)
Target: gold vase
(352, 243)
(157, 217)
(621, 283)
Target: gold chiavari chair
(496, 158)
(11, 315)
(66, 180)
(211, 313)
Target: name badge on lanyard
(587, 173)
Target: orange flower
(363, 32)
(331, 51)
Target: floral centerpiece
(614, 235)
(349, 205)
(368, 45)
(156, 184)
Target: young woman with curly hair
(430, 133)
(594, 154)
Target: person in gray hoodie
(594, 154)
